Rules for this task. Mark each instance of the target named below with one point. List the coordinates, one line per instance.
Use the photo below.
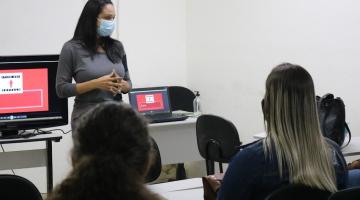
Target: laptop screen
(150, 100)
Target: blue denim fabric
(252, 176)
(354, 178)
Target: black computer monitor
(28, 98)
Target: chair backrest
(217, 140)
(214, 131)
(156, 166)
(298, 192)
(346, 194)
(181, 98)
(16, 187)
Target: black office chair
(181, 98)
(16, 187)
(217, 140)
(155, 168)
(298, 192)
(346, 194)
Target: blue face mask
(106, 27)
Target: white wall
(153, 33)
(233, 44)
(154, 36)
(36, 26)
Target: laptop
(154, 104)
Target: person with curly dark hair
(111, 156)
(96, 61)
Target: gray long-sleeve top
(75, 62)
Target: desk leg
(49, 167)
(180, 171)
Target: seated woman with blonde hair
(110, 157)
(294, 150)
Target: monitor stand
(9, 133)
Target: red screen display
(147, 102)
(24, 90)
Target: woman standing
(96, 61)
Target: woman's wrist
(86, 86)
(93, 84)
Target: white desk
(189, 189)
(259, 135)
(176, 140)
(352, 149)
(31, 158)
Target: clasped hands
(112, 83)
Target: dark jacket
(252, 176)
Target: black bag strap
(322, 104)
(349, 132)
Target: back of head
(293, 129)
(110, 156)
(113, 129)
(289, 102)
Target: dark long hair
(86, 33)
(110, 156)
